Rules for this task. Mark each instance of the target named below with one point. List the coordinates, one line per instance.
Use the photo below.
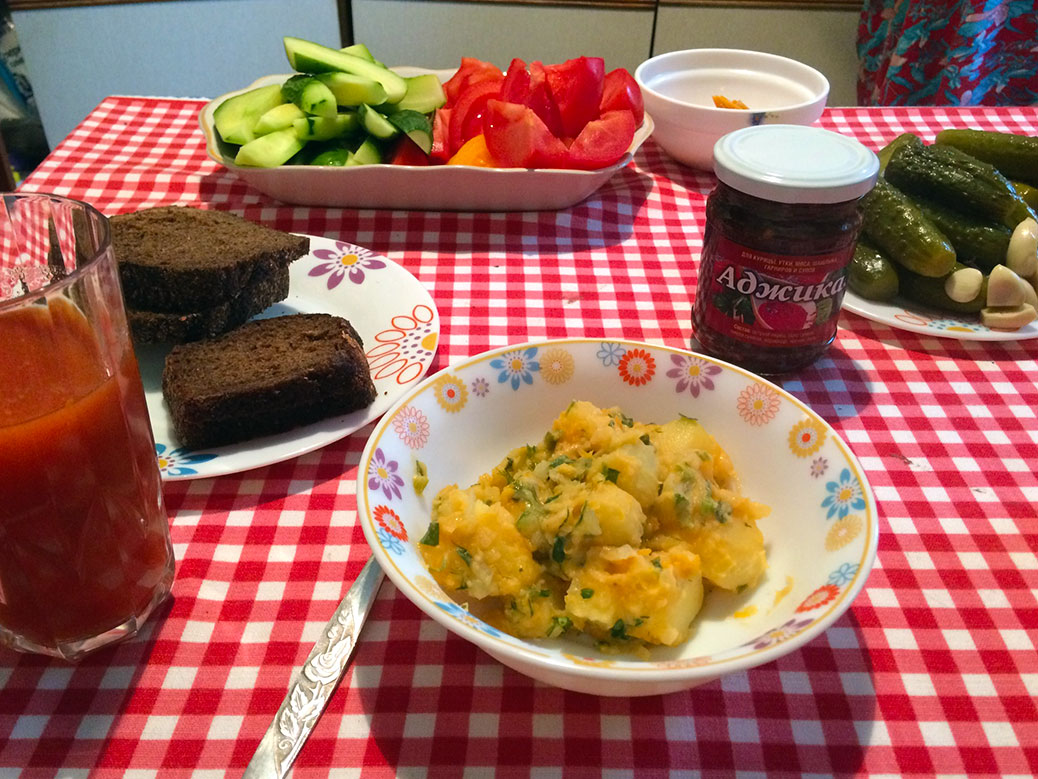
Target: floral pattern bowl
(821, 536)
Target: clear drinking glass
(85, 552)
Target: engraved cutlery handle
(314, 682)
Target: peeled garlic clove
(1008, 317)
(1022, 254)
(964, 285)
(1004, 289)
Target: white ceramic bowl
(820, 538)
(678, 89)
(437, 187)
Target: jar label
(770, 299)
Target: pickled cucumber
(1015, 156)
(896, 226)
(955, 178)
(930, 291)
(976, 242)
(871, 274)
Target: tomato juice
(84, 539)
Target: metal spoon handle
(314, 682)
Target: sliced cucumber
(309, 94)
(350, 90)
(376, 124)
(270, 150)
(415, 126)
(278, 118)
(308, 57)
(368, 153)
(424, 94)
(362, 51)
(338, 157)
(324, 128)
(235, 118)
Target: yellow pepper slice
(473, 152)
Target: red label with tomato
(768, 299)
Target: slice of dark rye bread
(267, 376)
(269, 286)
(180, 259)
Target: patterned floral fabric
(948, 52)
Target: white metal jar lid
(792, 163)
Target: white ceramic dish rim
(655, 66)
(212, 147)
(904, 315)
(620, 671)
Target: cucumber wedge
(310, 95)
(278, 118)
(235, 118)
(367, 153)
(270, 150)
(324, 128)
(424, 94)
(309, 57)
(362, 51)
(415, 126)
(350, 90)
(336, 157)
(376, 124)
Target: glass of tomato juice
(85, 552)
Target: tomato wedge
(529, 87)
(619, 92)
(517, 138)
(466, 119)
(407, 152)
(603, 141)
(471, 71)
(576, 86)
(440, 151)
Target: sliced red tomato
(516, 85)
(440, 151)
(471, 71)
(620, 91)
(542, 101)
(517, 138)
(603, 141)
(576, 86)
(407, 152)
(467, 113)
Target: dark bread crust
(268, 286)
(265, 377)
(179, 259)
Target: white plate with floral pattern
(821, 536)
(393, 314)
(916, 319)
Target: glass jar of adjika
(780, 231)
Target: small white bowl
(678, 89)
(820, 538)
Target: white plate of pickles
(906, 315)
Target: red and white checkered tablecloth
(934, 669)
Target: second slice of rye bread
(266, 377)
(178, 259)
(268, 286)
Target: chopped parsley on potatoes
(607, 527)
